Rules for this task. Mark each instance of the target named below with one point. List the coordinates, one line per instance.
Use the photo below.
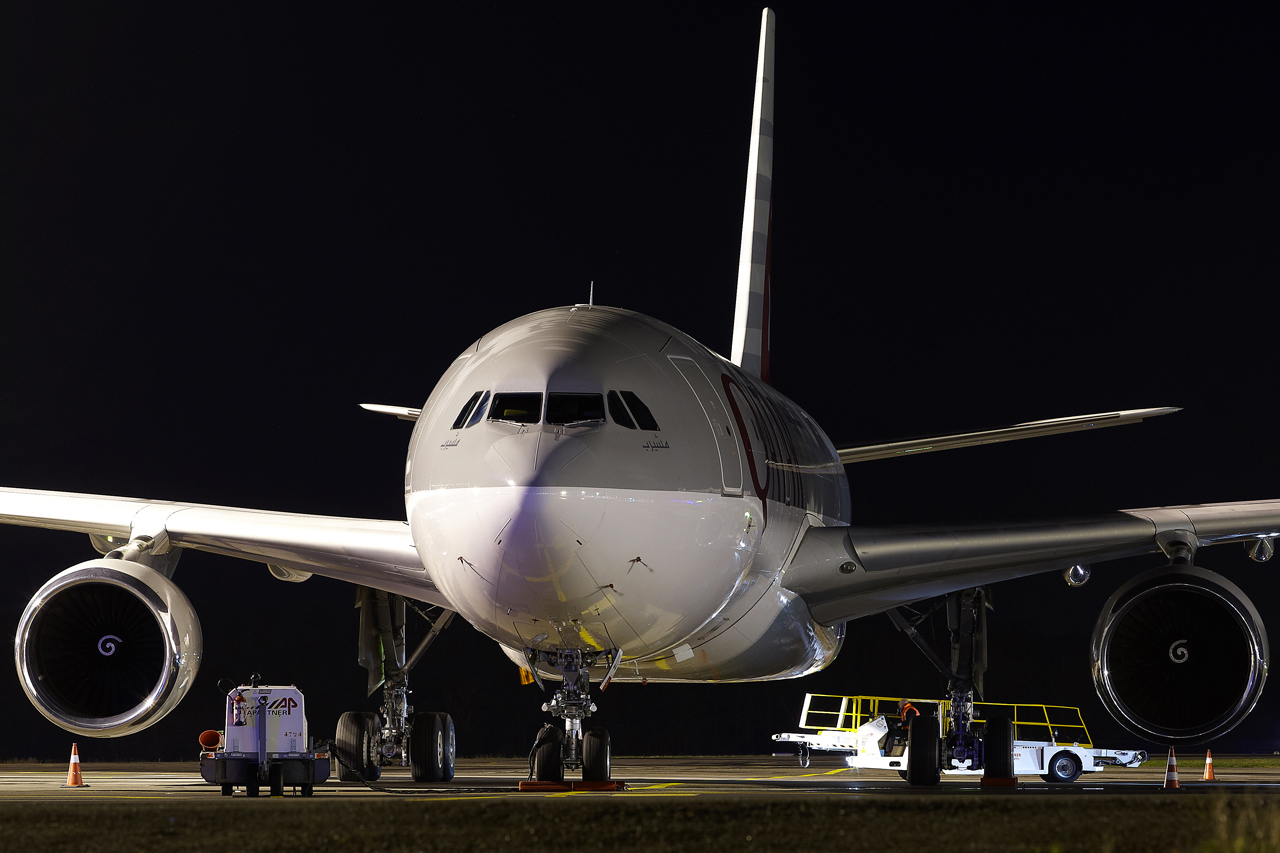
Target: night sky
(223, 229)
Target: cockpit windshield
(466, 410)
(565, 409)
(521, 408)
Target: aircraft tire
(596, 758)
(356, 744)
(449, 765)
(427, 748)
(998, 748)
(547, 766)
(922, 751)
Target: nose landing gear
(965, 745)
(573, 748)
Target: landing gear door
(720, 422)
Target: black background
(223, 229)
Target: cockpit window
(466, 410)
(642, 414)
(567, 409)
(618, 412)
(516, 408)
(479, 411)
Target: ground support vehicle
(869, 732)
(265, 742)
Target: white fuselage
(604, 532)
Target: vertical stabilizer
(751, 311)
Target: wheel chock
(999, 782)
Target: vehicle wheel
(546, 760)
(307, 790)
(227, 790)
(1063, 768)
(426, 748)
(997, 749)
(275, 778)
(596, 756)
(251, 789)
(449, 762)
(922, 751)
(357, 746)
(903, 774)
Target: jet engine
(107, 648)
(1179, 655)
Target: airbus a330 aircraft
(608, 499)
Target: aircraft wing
(846, 572)
(362, 551)
(1031, 429)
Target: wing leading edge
(846, 572)
(369, 552)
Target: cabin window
(572, 409)
(516, 408)
(641, 412)
(479, 411)
(466, 410)
(618, 412)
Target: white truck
(265, 741)
(868, 731)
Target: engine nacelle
(107, 648)
(1179, 655)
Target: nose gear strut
(965, 745)
(577, 748)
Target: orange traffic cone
(1171, 771)
(1208, 766)
(74, 779)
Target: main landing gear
(367, 741)
(574, 747)
(964, 744)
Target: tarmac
(718, 777)
(669, 804)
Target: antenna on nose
(591, 300)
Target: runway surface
(682, 777)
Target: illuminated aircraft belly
(640, 570)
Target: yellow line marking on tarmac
(802, 775)
(660, 785)
(654, 794)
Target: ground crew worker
(905, 712)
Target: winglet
(751, 309)
(401, 412)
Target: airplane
(586, 595)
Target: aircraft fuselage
(593, 478)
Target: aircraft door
(720, 421)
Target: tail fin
(751, 311)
